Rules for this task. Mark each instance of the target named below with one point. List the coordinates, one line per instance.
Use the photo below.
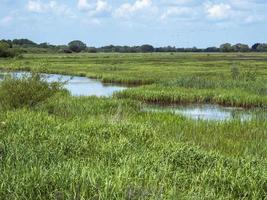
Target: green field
(109, 148)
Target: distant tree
(146, 48)
(262, 48)
(91, 50)
(240, 47)
(44, 45)
(9, 42)
(212, 49)
(24, 42)
(5, 50)
(255, 46)
(4, 45)
(227, 47)
(77, 46)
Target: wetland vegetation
(57, 146)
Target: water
(83, 86)
(210, 112)
(78, 86)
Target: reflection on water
(78, 86)
(210, 112)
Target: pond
(78, 86)
(210, 112)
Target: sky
(180, 23)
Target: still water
(210, 112)
(78, 86)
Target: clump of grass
(27, 91)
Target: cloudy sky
(178, 23)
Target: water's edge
(84, 86)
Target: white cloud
(94, 7)
(38, 6)
(218, 11)
(34, 6)
(84, 5)
(128, 9)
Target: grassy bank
(238, 93)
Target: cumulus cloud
(128, 9)
(38, 6)
(98, 7)
(218, 11)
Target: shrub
(5, 53)
(5, 50)
(27, 91)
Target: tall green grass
(26, 91)
(63, 147)
(54, 156)
(194, 89)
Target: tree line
(11, 48)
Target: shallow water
(83, 86)
(210, 112)
(78, 86)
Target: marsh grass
(79, 151)
(193, 89)
(55, 146)
(27, 90)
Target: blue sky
(181, 23)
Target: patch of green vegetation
(109, 149)
(26, 91)
(62, 147)
(241, 93)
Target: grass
(27, 91)
(55, 152)
(141, 68)
(224, 95)
(237, 79)
(108, 148)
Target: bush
(77, 46)
(27, 91)
(6, 51)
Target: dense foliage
(6, 50)
(79, 46)
(26, 91)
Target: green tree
(77, 46)
(262, 48)
(255, 46)
(24, 42)
(5, 50)
(241, 47)
(146, 48)
(227, 47)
